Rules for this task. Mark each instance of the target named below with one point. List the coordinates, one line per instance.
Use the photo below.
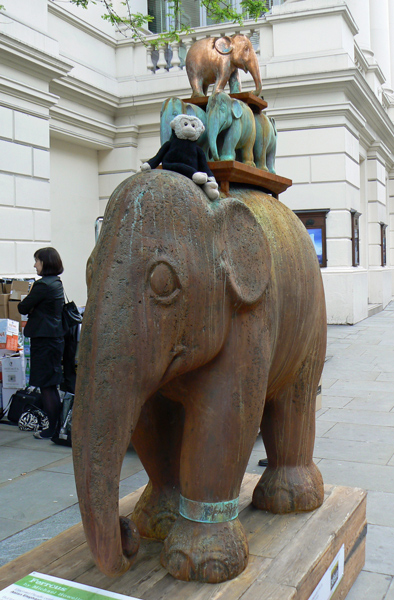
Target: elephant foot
(156, 512)
(249, 163)
(289, 489)
(205, 552)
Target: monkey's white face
(187, 127)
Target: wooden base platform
(256, 103)
(233, 171)
(289, 554)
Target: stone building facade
(79, 112)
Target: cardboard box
(19, 290)
(4, 306)
(7, 287)
(13, 368)
(9, 330)
(13, 312)
(6, 397)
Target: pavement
(354, 447)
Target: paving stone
(13, 464)
(335, 401)
(380, 508)
(390, 593)
(327, 383)
(361, 389)
(360, 452)
(355, 474)
(382, 404)
(323, 427)
(362, 417)
(358, 375)
(379, 555)
(369, 586)
(34, 498)
(9, 527)
(361, 433)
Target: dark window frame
(355, 216)
(383, 244)
(316, 219)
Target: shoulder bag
(70, 315)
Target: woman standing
(44, 305)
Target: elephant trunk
(254, 69)
(104, 417)
(213, 132)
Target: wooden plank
(288, 554)
(337, 521)
(255, 102)
(236, 172)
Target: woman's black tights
(51, 405)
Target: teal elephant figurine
(264, 149)
(205, 321)
(171, 108)
(231, 129)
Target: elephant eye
(164, 282)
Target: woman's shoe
(42, 435)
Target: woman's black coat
(44, 305)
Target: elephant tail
(273, 125)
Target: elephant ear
(236, 109)
(246, 256)
(223, 45)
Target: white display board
(331, 578)
(37, 586)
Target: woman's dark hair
(51, 261)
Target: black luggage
(62, 435)
(20, 400)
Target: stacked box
(9, 331)
(18, 291)
(13, 370)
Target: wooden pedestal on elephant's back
(289, 554)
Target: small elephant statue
(204, 321)
(217, 60)
(264, 149)
(171, 108)
(231, 129)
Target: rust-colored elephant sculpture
(204, 321)
(217, 60)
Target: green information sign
(38, 586)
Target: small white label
(331, 578)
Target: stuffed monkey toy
(183, 155)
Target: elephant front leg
(208, 543)
(157, 440)
(291, 482)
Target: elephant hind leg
(157, 441)
(291, 482)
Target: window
(192, 14)
(383, 228)
(355, 237)
(315, 223)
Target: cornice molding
(75, 89)
(294, 12)
(43, 65)
(15, 89)
(63, 14)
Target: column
(360, 12)
(380, 37)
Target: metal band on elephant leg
(208, 512)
